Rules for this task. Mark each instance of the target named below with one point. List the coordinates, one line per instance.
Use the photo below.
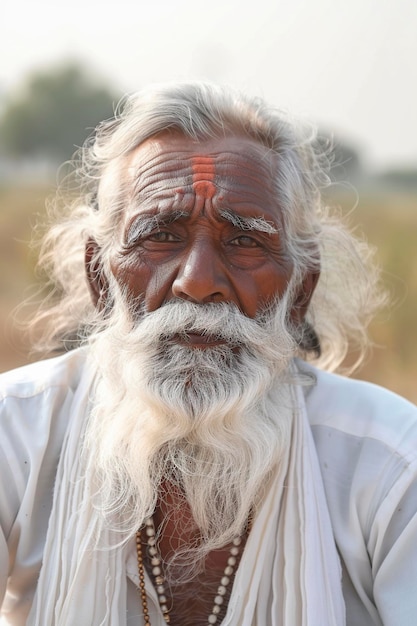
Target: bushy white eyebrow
(145, 224)
(249, 223)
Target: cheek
(262, 288)
(274, 285)
(254, 292)
(142, 281)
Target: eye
(162, 237)
(245, 241)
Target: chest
(191, 588)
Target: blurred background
(348, 68)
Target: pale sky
(349, 65)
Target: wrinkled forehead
(230, 164)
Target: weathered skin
(195, 253)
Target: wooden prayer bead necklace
(156, 563)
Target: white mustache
(220, 320)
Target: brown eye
(162, 237)
(244, 241)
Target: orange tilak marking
(203, 176)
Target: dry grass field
(387, 219)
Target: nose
(202, 276)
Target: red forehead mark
(203, 176)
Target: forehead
(228, 166)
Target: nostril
(202, 276)
(199, 291)
(200, 297)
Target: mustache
(269, 333)
(220, 320)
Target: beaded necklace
(159, 580)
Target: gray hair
(347, 294)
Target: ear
(303, 297)
(96, 279)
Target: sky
(349, 66)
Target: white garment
(289, 573)
(366, 444)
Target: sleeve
(13, 478)
(4, 566)
(35, 408)
(24, 496)
(394, 558)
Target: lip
(198, 340)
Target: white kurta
(366, 440)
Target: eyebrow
(144, 224)
(249, 223)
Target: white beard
(214, 421)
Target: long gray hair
(347, 294)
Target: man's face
(201, 224)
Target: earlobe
(96, 279)
(303, 298)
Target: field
(388, 220)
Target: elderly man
(191, 458)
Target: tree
(54, 113)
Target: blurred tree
(404, 179)
(54, 113)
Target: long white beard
(213, 421)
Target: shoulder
(366, 442)
(36, 403)
(36, 378)
(362, 410)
